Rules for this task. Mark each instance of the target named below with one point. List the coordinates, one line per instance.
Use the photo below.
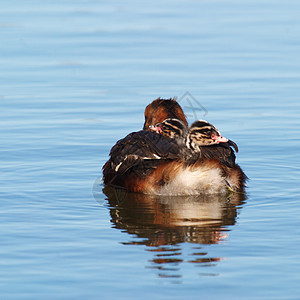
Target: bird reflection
(164, 223)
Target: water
(75, 77)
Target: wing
(141, 151)
(222, 152)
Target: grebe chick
(172, 128)
(193, 142)
(167, 158)
(201, 133)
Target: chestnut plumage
(167, 157)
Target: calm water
(76, 77)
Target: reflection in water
(163, 223)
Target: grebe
(161, 109)
(173, 159)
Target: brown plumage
(175, 160)
(161, 109)
(136, 156)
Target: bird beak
(219, 139)
(155, 128)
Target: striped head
(172, 128)
(201, 133)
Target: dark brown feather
(223, 152)
(139, 153)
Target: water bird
(168, 158)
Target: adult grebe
(178, 160)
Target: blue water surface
(75, 77)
